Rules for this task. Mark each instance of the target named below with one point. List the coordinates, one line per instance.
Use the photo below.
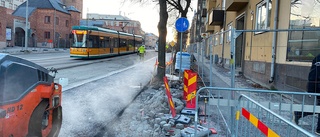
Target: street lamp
(26, 30)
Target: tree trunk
(162, 28)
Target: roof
(107, 17)
(42, 4)
(72, 8)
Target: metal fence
(241, 51)
(273, 108)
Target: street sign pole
(182, 24)
(26, 30)
(180, 55)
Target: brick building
(6, 23)
(78, 4)
(50, 23)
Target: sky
(147, 14)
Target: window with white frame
(229, 32)
(221, 36)
(216, 39)
(263, 14)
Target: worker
(141, 51)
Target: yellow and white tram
(96, 42)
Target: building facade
(11, 4)
(115, 22)
(151, 40)
(6, 25)
(78, 4)
(49, 24)
(272, 58)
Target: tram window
(123, 43)
(116, 41)
(94, 40)
(130, 43)
(102, 44)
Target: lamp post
(26, 29)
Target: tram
(95, 42)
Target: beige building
(274, 59)
(151, 40)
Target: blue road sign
(182, 24)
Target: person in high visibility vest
(142, 51)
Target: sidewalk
(21, 50)
(224, 75)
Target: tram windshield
(79, 39)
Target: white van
(156, 47)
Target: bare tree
(182, 6)
(165, 6)
(162, 28)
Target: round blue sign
(182, 24)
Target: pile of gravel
(149, 114)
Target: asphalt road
(97, 89)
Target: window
(2, 3)
(57, 21)
(47, 19)
(47, 35)
(10, 6)
(221, 36)
(216, 39)
(263, 14)
(15, 6)
(303, 46)
(67, 23)
(14, 75)
(229, 32)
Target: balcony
(236, 5)
(216, 17)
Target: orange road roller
(30, 101)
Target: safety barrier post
(192, 89)
(170, 101)
(185, 83)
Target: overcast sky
(147, 14)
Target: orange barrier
(167, 63)
(171, 104)
(190, 88)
